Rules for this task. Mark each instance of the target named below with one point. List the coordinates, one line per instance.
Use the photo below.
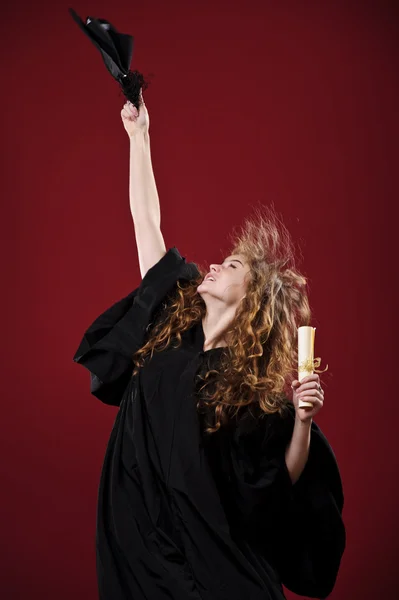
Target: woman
(214, 485)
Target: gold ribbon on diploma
(310, 365)
(307, 365)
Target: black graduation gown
(182, 515)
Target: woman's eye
(234, 266)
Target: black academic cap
(117, 51)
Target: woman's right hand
(134, 120)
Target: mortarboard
(116, 51)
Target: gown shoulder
(109, 343)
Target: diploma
(306, 365)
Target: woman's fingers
(312, 399)
(128, 113)
(130, 108)
(311, 392)
(307, 386)
(135, 119)
(310, 378)
(311, 395)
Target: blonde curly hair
(259, 363)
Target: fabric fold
(299, 527)
(109, 343)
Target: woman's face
(226, 281)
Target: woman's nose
(214, 267)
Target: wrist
(139, 144)
(139, 136)
(300, 423)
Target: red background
(294, 103)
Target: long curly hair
(257, 368)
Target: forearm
(297, 451)
(143, 194)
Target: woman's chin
(202, 287)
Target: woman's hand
(309, 390)
(134, 120)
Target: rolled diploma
(306, 337)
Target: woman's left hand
(309, 390)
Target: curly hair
(258, 365)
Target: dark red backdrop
(293, 103)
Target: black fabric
(184, 515)
(116, 51)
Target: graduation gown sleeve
(298, 527)
(109, 343)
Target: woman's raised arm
(144, 201)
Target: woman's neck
(214, 327)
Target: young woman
(215, 486)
